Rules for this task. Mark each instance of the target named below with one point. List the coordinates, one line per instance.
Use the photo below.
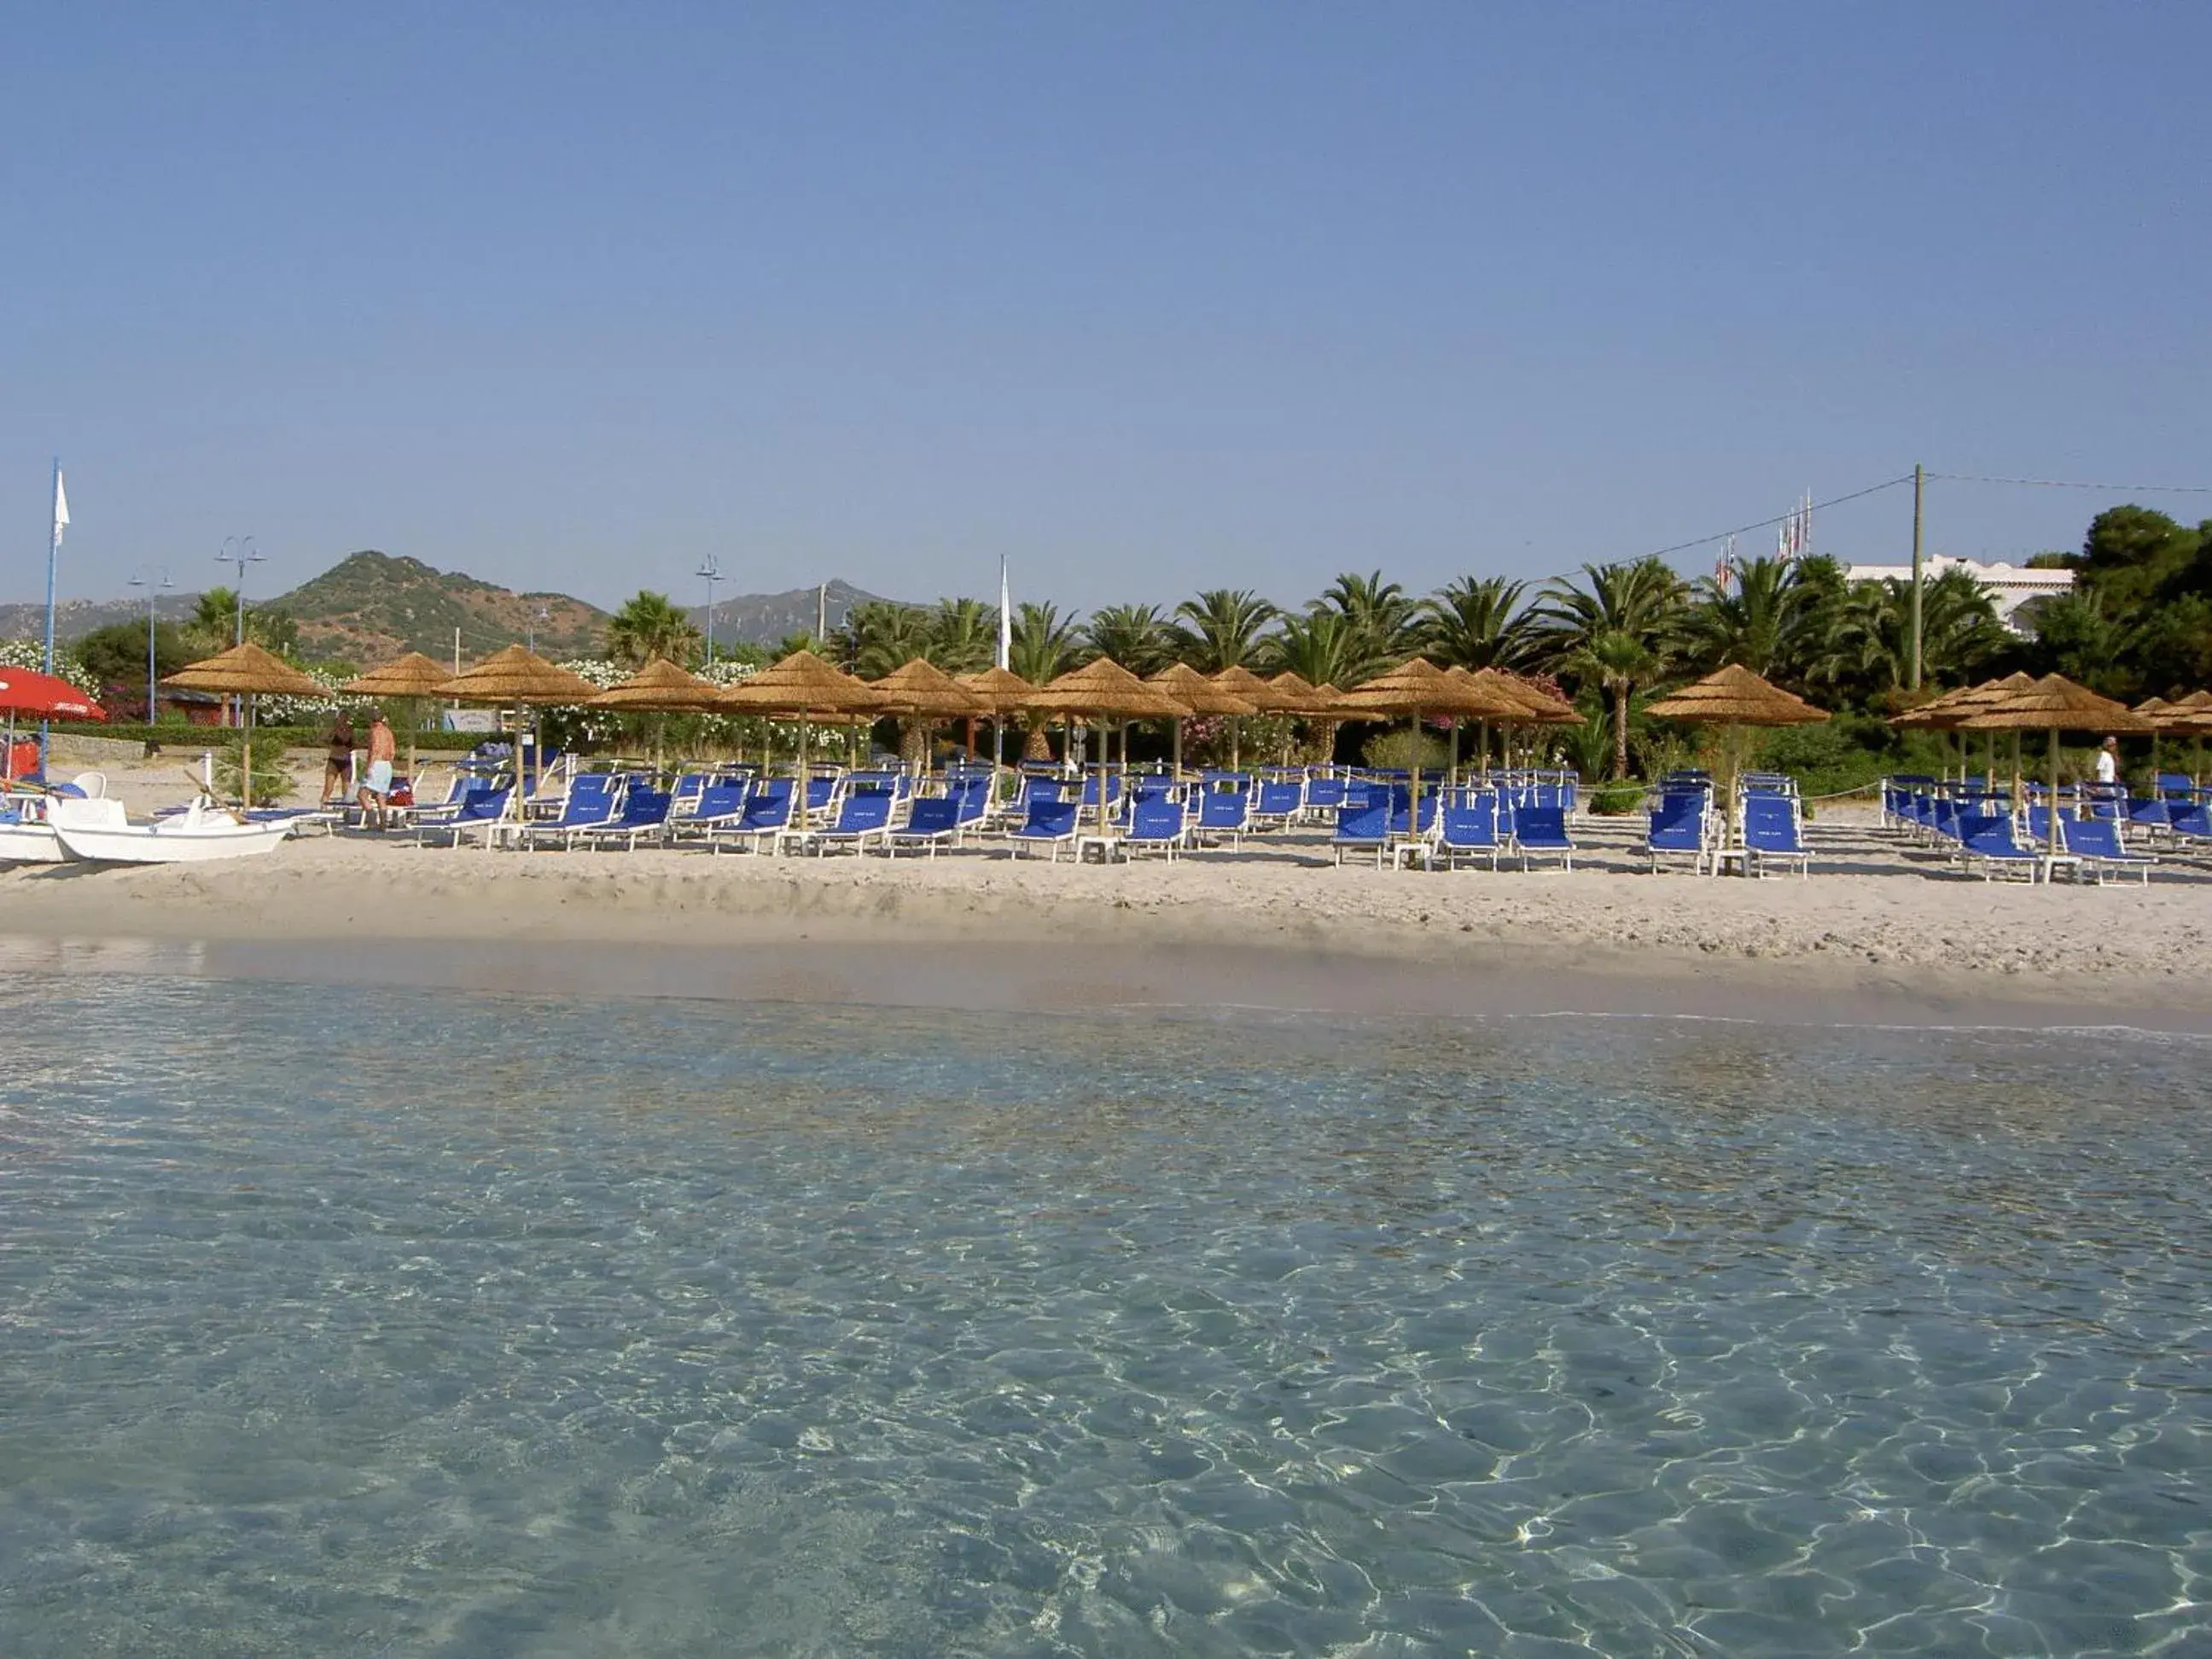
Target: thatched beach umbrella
(1730, 697)
(922, 692)
(2051, 705)
(1004, 692)
(806, 686)
(518, 678)
(2196, 708)
(1417, 687)
(1536, 710)
(1105, 691)
(1199, 696)
(248, 673)
(1240, 682)
(661, 689)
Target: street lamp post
(156, 583)
(240, 551)
(710, 568)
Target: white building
(2011, 586)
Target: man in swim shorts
(376, 781)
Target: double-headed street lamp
(156, 581)
(240, 551)
(710, 568)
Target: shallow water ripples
(669, 1329)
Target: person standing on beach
(2108, 760)
(376, 782)
(338, 762)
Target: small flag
(1005, 621)
(61, 508)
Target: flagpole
(60, 517)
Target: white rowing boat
(97, 832)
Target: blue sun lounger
(481, 814)
(935, 821)
(644, 816)
(1773, 834)
(2094, 844)
(1224, 813)
(863, 816)
(1050, 824)
(1470, 829)
(1541, 832)
(589, 805)
(1986, 842)
(1682, 823)
(1158, 823)
(1362, 828)
(764, 821)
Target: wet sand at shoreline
(1274, 925)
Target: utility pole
(710, 568)
(822, 614)
(1919, 490)
(148, 581)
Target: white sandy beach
(1874, 917)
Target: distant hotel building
(2011, 586)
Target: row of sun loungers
(1976, 825)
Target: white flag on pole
(1005, 622)
(61, 508)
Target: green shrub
(1617, 800)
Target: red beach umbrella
(25, 691)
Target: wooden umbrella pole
(1452, 778)
(2054, 791)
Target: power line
(2068, 484)
(1782, 518)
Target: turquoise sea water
(399, 1322)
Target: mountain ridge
(372, 606)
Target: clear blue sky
(1145, 297)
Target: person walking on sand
(338, 762)
(376, 782)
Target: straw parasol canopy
(411, 676)
(1103, 690)
(1730, 697)
(2054, 703)
(660, 688)
(802, 683)
(1263, 694)
(1733, 695)
(2170, 720)
(1417, 687)
(2051, 705)
(1003, 690)
(1201, 695)
(922, 687)
(805, 685)
(518, 675)
(246, 671)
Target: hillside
(371, 607)
(766, 619)
(75, 618)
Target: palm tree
(1612, 630)
(1322, 647)
(883, 635)
(1222, 627)
(1381, 611)
(1476, 622)
(964, 636)
(1043, 647)
(650, 625)
(1753, 618)
(1134, 635)
(1865, 639)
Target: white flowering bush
(307, 711)
(31, 654)
(569, 726)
